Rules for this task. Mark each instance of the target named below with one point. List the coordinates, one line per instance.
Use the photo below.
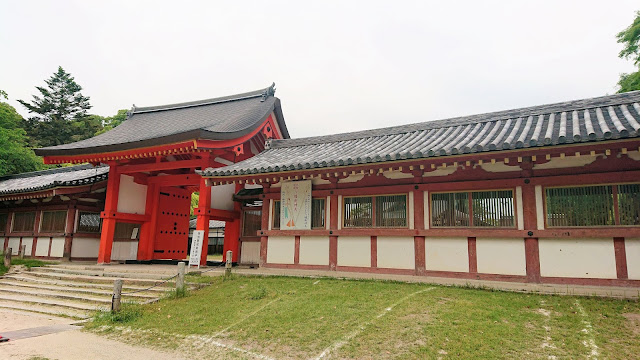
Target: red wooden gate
(172, 231)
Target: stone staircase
(78, 291)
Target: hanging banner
(295, 205)
(196, 248)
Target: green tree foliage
(15, 156)
(195, 198)
(630, 38)
(60, 113)
(113, 121)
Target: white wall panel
(396, 252)
(57, 247)
(447, 254)
(28, 244)
(222, 196)
(314, 250)
(85, 247)
(42, 246)
(354, 251)
(632, 248)
(132, 197)
(582, 258)
(501, 256)
(14, 244)
(280, 249)
(124, 250)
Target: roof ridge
(265, 92)
(579, 104)
(57, 170)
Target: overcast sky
(338, 66)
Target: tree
(15, 156)
(113, 121)
(630, 37)
(60, 112)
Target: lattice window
(3, 222)
(53, 221)
(88, 222)
(23, 221)
(317, 213)
(629, 204)
(358, 211)
(252, 222)
(450, 209)
(493, 208)
(580, 206)
(375, 211)
(276, 214)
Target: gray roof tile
(596, 119)
(47, 179)
(214, 119)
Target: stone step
(31, 299)
(162, 270)
(74, 290)
(102, 273)
(98, 279)
(28, 278)
(52, 294)
(44, 309)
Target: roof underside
(48, 179)
(222, 118)
(589, 120)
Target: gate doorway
(249, 240)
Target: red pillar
(7, 230)
(203, 217)
(148, 229)
(531, 249)
(108, 215)
(333, 226)
(68, 231)
(621, 258)
(232, 233)
(418, 222)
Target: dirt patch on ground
(11, 320)
(633, 321)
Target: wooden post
(180, 279)
(108, 215)
(228, 263)
(7, 257)
(117, 293)
(23, 248)
(203, 217)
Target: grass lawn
(29, 263)
(292, 318)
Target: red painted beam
(167, 165)
(175, 180)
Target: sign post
(196, 248)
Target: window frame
(54, 231)
(616, 206)
(275, 213)
(3, 228)
(373, 211)
(77, 224)
(470, 206)
(13, 222)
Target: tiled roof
(589, 120)
(47, 179)
(221, 118)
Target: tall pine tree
(60, 112)
(15, 156)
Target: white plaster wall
(280, 249)
(327, 221)
(519, 208)
(539, 208)
(447, 254)
(411, 213)
(250, 252)
(501, 256)
(42, 246)
(57, 247)
(14, 244)
(632, 248)
(85, 247)
(396, 252)
(28, 244)
(222, 196)
(582, 258)
(427, 210)
(314, 250)
(340, 219)
(132, 197)
(354, 251)
(124, 250)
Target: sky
(338, 66)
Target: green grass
(29, 263)
(285, 317)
